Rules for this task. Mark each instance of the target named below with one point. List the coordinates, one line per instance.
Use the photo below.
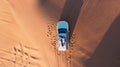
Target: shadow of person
(107, 53)
(71, 12)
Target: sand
(28, 32)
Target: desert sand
(28, 33)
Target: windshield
(62, 30)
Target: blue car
(62, 36)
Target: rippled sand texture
(28, 31)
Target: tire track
(20, 56)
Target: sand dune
(28, 31)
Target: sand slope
(28, 32)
